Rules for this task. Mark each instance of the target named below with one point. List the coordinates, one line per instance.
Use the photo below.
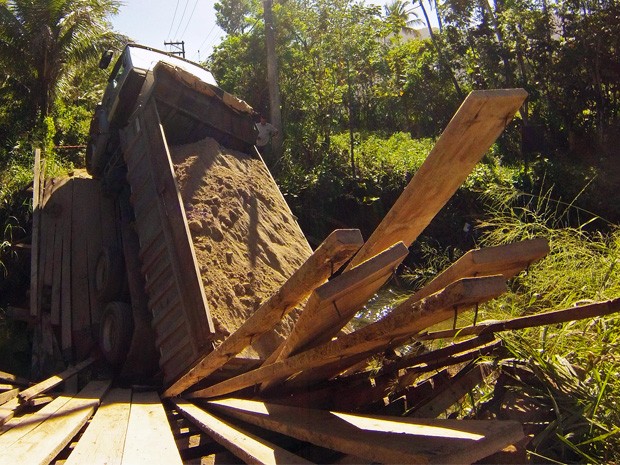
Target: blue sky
(153, 22)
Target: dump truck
(150, 281)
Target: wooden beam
(53, 381)
(36, 231)
(149, 438)
(7, 411)
(476, 125)
(331, 306)
(407, 319)
(43, 443)
(379, 438)
(65, 292)
(506, 260)
(542, 319)
(104, 439)
(11, 378)
(8, 395)
(360, 391)
(246, 446)
(450, 393)
(329, 256)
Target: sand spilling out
(246, 240)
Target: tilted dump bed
(179, 110)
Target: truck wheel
(115, 332)
(110, 275)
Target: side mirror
(105, 60)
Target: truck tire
(115, 332)
(110, 275)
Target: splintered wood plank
(331, 306)
(8, 395)
(246, 446)
(7, 411)
(43, 443)
(506, 260)
(36, 231)
(11, 378)
(542, 319)
(329, 256)
(381, 439)
(407, 319)
(476, 125)
(149, 439)
(103, 441)
(53, 381)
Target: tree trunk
(442, 61)
(272, 79)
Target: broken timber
(376, 438)
(474, 128)
(329, 256)
(408, 318)
(548, 318)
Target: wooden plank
(11, 378)
(381, 439)
(476, 125)
(80, 296)
(330, 255)
(43, 443)
(149, 439)
(331, 306)
(409, 318)
(360, 391)
(53, 381)
(103, 441)
(246, 446)
(542, 319)
(92, 229)
(8, 395)
(450, 393)
(27, 423)
(66, 311)
(57, 270)
(7, 411)
(36, 231)
(506, 260)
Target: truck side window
(117, 72)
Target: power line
(206, 38)
(181, 20)
(189, 20)
(173, 17)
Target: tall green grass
(577, 362)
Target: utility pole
(178, 48)
(272, 79)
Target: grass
(573, 366)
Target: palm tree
(41, 41)
(399, 14)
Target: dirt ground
(247, 241)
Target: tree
(398, 13)
(41, 41)
(233, 15)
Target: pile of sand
(246, 240)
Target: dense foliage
(365, 92)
